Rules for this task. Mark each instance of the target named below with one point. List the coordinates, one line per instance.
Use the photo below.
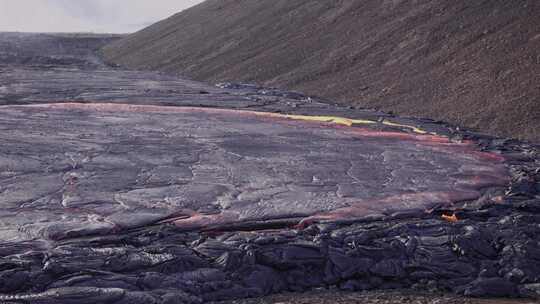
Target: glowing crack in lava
(71, 170)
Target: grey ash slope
(473, 63)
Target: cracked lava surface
(72, 170)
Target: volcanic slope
(474, 63)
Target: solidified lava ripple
(72, 170)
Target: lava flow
(135, 165)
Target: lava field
(120, 186)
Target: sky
(99, 16)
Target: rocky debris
(333, 296)
(163, 262)
(257, 92)
(75, 179)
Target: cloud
(113, 16)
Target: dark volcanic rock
(492, 287)
(156, 202)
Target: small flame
(450, 218)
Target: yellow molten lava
(343, 121)
(415, 129)
(331, 119)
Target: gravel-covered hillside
(471, 62)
